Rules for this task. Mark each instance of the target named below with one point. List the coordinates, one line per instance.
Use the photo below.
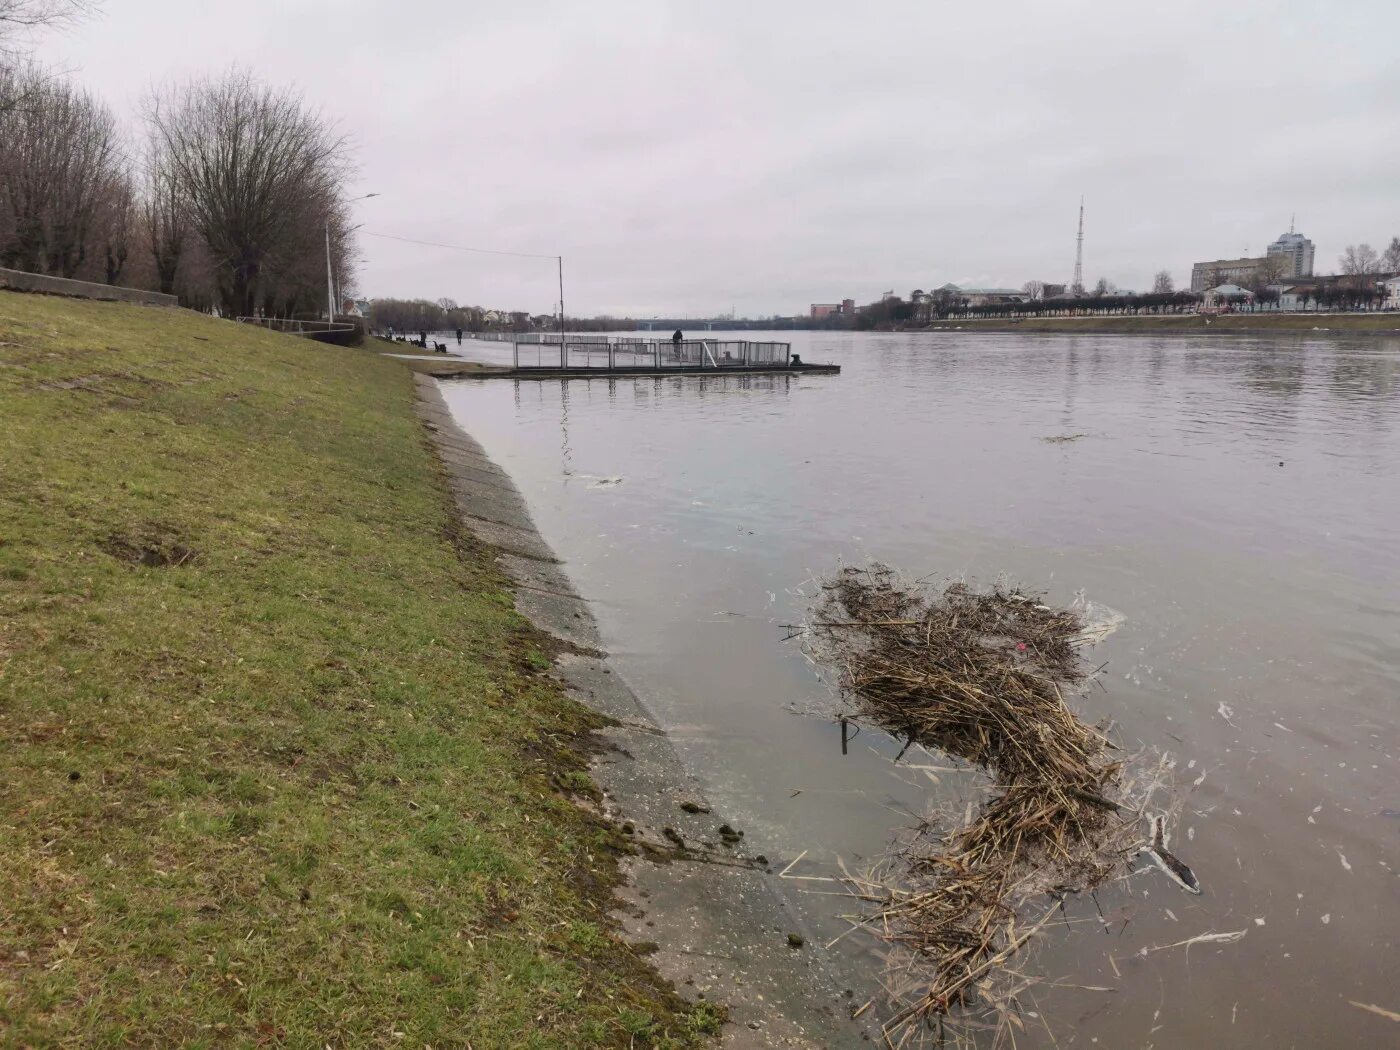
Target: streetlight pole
(560, 260)
(330, 280)
(330, 273)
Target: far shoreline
(1387, 323)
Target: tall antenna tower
(1078, 285)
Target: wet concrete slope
(714, 910)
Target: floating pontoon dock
(543, 356)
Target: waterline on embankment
(707, 900)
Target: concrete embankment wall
(19, 281)
(714, 914)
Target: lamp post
(340, 288)
(330, 274)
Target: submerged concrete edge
(715, 915)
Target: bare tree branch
(260, 177)
(59, 151)
(1360, 259)
(33, 14)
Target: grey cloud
(688, 158)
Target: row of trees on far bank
(442, 315)
(224, 198)
(1112, 302)
(445, 315)
(1341, 293)
(923, 308)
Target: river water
(1235, 500)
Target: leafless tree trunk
(58, 149)
(117, 215)
(294, 276)
(167, 224)
(258, 174)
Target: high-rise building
(1295, 252)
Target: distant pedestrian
(423, 340)
(459, 337)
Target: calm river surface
(1236, 500)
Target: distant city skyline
(761, 158)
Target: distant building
(982, 296)
(1225, 295)
(1291, 256)
(1296, 295)
(1206, 275)
(845, 308)
(1053, 291)
(1315, 292)
(1295, 252)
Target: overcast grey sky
(690, 157)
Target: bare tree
(259, 175)
(167, 225)
(1162, 283)
(1104, 287)
(19, 19)
(33, 14)
(58, 150)
(1035, 290)
(293, 279)
(1359, 259)
(1269, 271)
(1390, 258)
(116, 216)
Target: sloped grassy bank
(278, 761)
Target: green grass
(278, 766)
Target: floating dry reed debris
(981, 675)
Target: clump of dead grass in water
(983, 676)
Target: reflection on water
(1235, 500)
